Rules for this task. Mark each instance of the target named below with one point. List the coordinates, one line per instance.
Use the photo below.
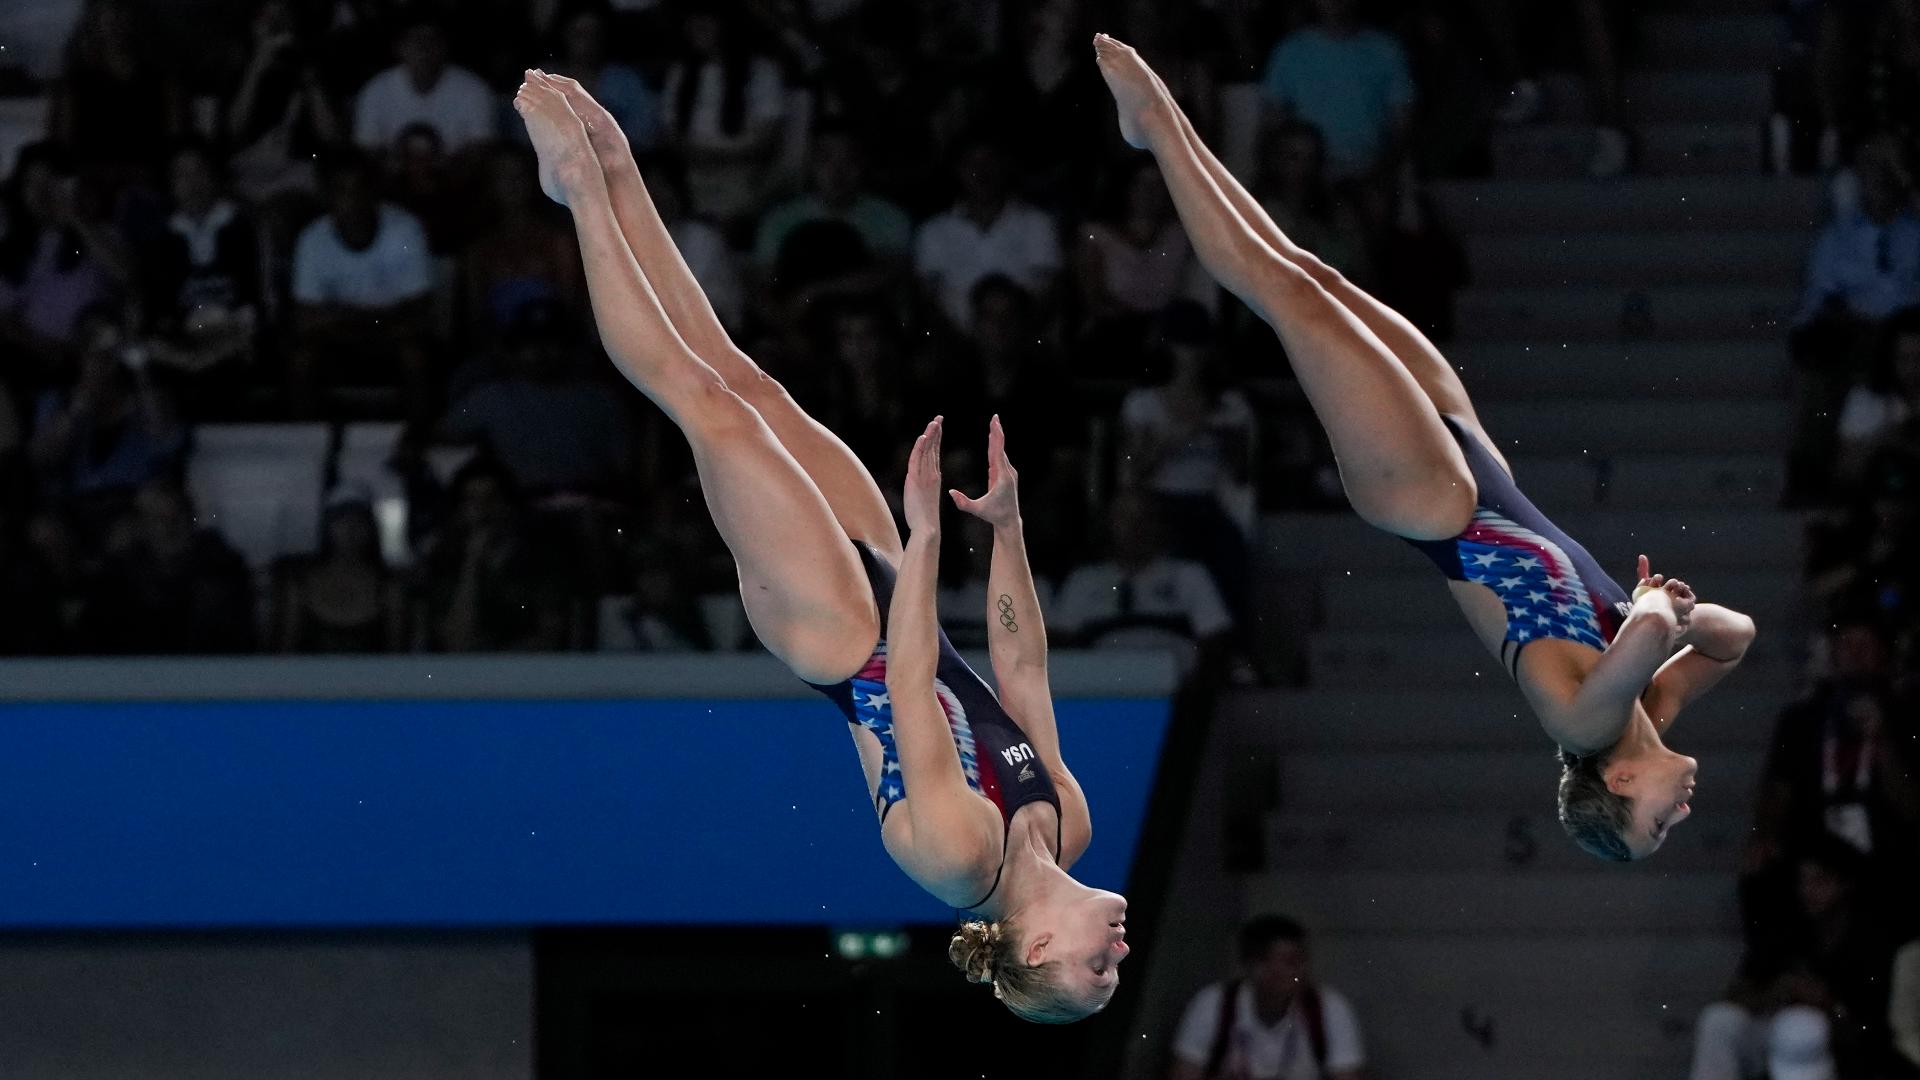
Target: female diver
(973, 798)
(1598, 667)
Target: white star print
(1564, 609)
(1511, 583)
(880, 700)
(1544, 620)
(1523, 633)
(893, 766)
(1528, 563)
(1536, 597)
(1487, 559)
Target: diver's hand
(1000, 506)
(922, 497)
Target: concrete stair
(1676, 148)
(1763, 257)
(1652, 892)
(1671, 96)
(1659, 311)
(1637, 203)
(1721, 370)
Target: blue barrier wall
(449, 812)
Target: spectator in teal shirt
(1349, 81)
(836, 194)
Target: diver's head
(1620, 805)
(1055, 961)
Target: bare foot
(1137, 92)
(603, 131)
(559, 139)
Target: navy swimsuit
(1548, 583)
(996, 757)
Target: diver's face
(1659, 788)
(1088, 936)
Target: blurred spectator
(724, 103)
(1877, 411)
(1351, 82)
(525, 256)
(16, 472)
(702, 245)
(1903, 1005)
(488, 584)
(1864, 267)
(1133, 263)
(1292, 187)
(875, 87)
(1525, 98)
(1006, 370)
(425, 182)
(582, 32)
(169, 586)
(205, 300)
(1190, 442)
(556, 429)
(31, 625)
(1040, 92)
(113, 431)
(1810, 999)
(280, 116)
(63, 564)
(342, 599)
(425, 87)
(1273, 1022)
(57, 259)
(838, 239)
(870, 403)
(1841, 766)
(1139, 596)
(660, 615)
(361, 274)
(986, 232)
(115, 108)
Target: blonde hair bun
(972, 949)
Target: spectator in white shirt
(1140, 597)
(423, 88)
(1272, 1023)
(724, 105)
(361, 275)
(1876, 410)
(987, 231)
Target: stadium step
(1634, 204)
(1636, 425)
(1691, 369)
(1652, 892)
(1746, 257)
(1674, 148)
(1694, 41)
(1669, 95)
(1625, 312)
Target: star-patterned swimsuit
(1548, 583)
(996, 757)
